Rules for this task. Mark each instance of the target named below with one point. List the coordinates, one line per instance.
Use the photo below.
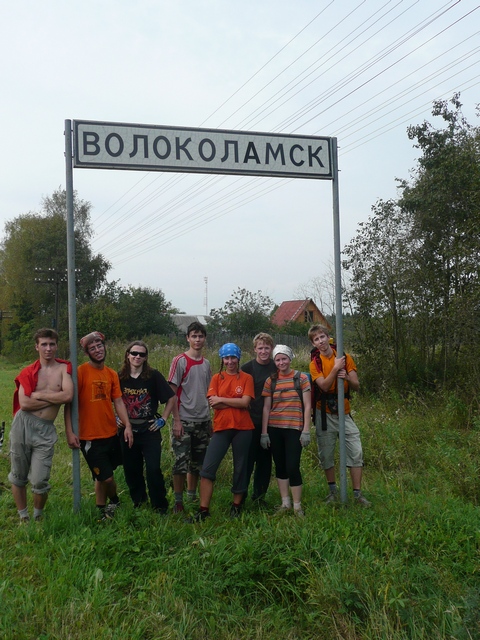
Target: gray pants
(217, 449)
(32, 445)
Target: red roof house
(303, 311)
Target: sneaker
(38, 518)
(111, 508)
(300, 513)
(332, 497)
(162, 511)
(105, 516)
(24, 519)
(178, 507)
(200, 516)
(261, 503)
(235, 510)
(282, 508)
(360, 499)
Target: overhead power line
(165, 208)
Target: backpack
(296, 384)
(325, 397)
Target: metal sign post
(339, 322)
(72, 306)
(141, 147)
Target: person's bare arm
(64, 395)
(171, 407)
(177, 429)
(123, 415)
(267, 405)
(352, 378)
(73, 440)
(307, 410)
(30, 403)
(217, 402)
(326, 383)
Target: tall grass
(407, 568)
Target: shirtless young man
(41, 388)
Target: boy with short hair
(189, 378)
(260, 368)
(40, 390)
(325, 368)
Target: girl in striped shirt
(286, 426)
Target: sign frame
(71, 161)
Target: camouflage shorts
(189, 450)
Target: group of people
(261, 409)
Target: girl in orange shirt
(229, 395)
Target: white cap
(282, 348)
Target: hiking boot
(235, 510)
(200, 516)
(332, 497)
(178, 507)
(300, 513)
(360, 499)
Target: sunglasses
(140, 354)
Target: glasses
(96, 347)
(138, 354)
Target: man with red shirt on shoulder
(41, 388)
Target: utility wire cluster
(328, 87)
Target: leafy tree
(127, 313)
(443, 200)
(414, 265)
(245, 313)
(378, 261)
(145, 310)
(33, 262)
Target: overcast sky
(361, 71)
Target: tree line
(33, 281)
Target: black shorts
(103, 456)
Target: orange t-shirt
(97, 388)
(328, 363)
(236, 386)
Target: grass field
(407, 568)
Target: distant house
(302, 311)
(181, 321)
